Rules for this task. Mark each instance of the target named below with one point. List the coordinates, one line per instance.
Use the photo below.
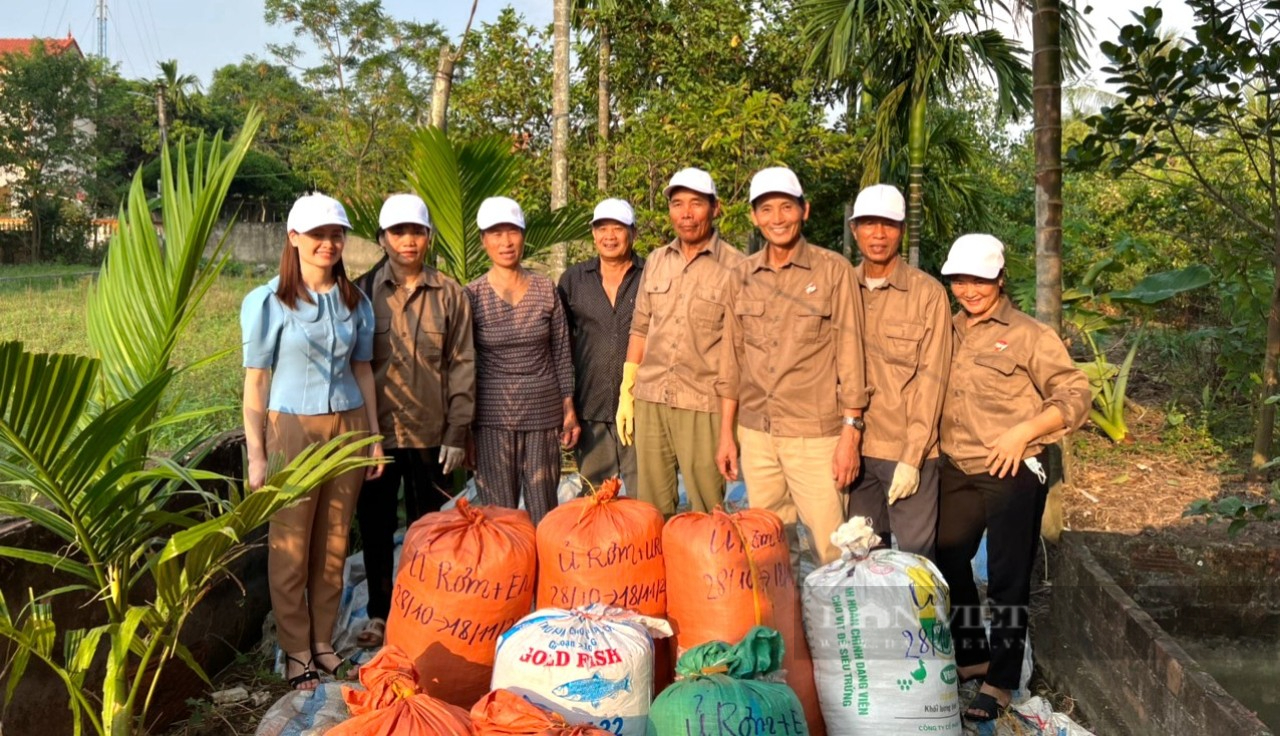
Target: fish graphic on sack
(594, 690)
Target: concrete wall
(255, 243)
(1127, 674)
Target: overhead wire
(60, 17)
(138, 30)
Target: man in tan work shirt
(792, 370)
(908, 345)
(667, 398)
(424, 373)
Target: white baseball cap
(316, 210)
(499, 211)
(975, 255)
(880, 200)
(614, 209)
(692, 179)
(404, 209)
(775, 180)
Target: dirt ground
(1145, 485)
(1140, 487)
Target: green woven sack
(720, 692)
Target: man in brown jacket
(791, 370)
(908, 347)
(424, 372)
(667, 396)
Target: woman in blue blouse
(308, 340)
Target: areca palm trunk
(602, 111)
(441, 88)
(1046, 71)
(915, 176)
(1046, 96)
(560, 125)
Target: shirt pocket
(750, 314)
(997, 383)
(431, 339)
(658, 292)
(813, 319)
(706, 308)
(902, 343)
(381, 339)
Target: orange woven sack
(466, 576)
(392, 705)
(602, 549)
(605, 549)
(729, 572)
(503, 713)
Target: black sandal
(308, 674)
(343, 669)
(984, 707)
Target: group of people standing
(831, 389)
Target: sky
(206, 34)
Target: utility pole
(160, 115)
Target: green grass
(52, 320)
(41, 277)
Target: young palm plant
(143, 539)
(453, 179)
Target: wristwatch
(855, 422)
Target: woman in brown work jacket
(1012, 390)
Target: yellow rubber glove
(626, 417)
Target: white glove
(906, 481)
(450, 458)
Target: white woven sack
(592, 665)
(883, 660)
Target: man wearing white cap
(424, 369)
(667, 397)
(791, 369)
(908, 347)
(600, 296)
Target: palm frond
(147, 290)
(969, 55)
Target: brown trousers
(308, 541)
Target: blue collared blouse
(309, 350)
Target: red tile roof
(51, 45)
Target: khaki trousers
(308, 541)
(668, 438)
(791, 476)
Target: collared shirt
(423, 359)
(792, 354)
(907, 337)
(1007, 369)
(524, 369)
(680, 312)
(599, 330)
(309, 349)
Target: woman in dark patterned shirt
(524, 371)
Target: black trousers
(913, 520)
(425, 490)
(1009, 510)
